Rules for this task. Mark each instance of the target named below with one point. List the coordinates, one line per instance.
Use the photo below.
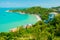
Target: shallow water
(10, 20)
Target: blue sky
(29, 3)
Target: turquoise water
(10, 20)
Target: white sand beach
(7, 11)
(14, 29)
(38, 17)
(21, 12)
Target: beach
(7, 11)
(38, 17)
(21, 12)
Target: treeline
(56, 7)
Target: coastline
(17, 12)
(37, 17)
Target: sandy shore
(14, 29)
(38, 17)
(21, 12)
(7, 11)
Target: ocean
(9, 20)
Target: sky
(29, 3)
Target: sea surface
(9, 20)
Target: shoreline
(7, 11)
(17, 12)
(21, 12)
(38, 17)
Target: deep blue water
(9, 20)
